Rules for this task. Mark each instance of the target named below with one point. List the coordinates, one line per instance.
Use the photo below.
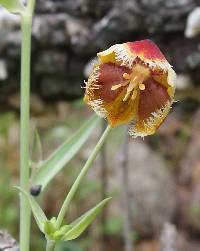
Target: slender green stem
(50, 245)
(25, 211)
(82, 174)
(31, 6)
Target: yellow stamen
(130, 86)
(134, 95)
(115, 87)
(134, 81)
(126, 76)
(142, 87)
(126, 96)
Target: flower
(132, 82)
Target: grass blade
(14, 6)
(38, 213)
(64, 154)
(79, 225)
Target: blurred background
(155, 182)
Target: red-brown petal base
(103, 99)
(154, 97)
(154, 105)
(110, 75)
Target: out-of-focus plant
(43, 171)
(132, 81)
(8, 216)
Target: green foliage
(36, 209)
(195, 209)
(79, 225)
(64, 154)
(5, 123)
(65, 232)
(14, 6)
(76, 228)
(88, 187)
(8, 212)
(113, 225)
(36, 151)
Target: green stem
(82, 174)
(50, 245)
(31, 6)
(25, 211)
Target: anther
(134, 81)
(126, 96)
(115, 87)
(129, 90)
(130, 87)
(126, 76)
(134, 95)
(142, 87)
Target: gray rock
(168, 239)
(7, 243)
(152, 190)
(54, 87)
(193, 23)
(51, 62)
(68, 33)
(3, 70)
(49, 30)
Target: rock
(189, 177)
(152, 190)
(67, 34)
(52, 87)
(193, 23)
(8, 21)
(3, 70)
(168, 239)
(50, 31)
(51, 62)
(184, 81)
(191, 159)
(75, 7)
(7, 243)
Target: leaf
(79, 225)
(57, 235)
(14, 6)
(64, 153)
(36, 148)
(38, 213)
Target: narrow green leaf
(79, 225)
(14, 6)
(38, 213)
(64, 229)
(64, 153)
(36, 148)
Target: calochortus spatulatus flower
(132, 82)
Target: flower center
(134, 81)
